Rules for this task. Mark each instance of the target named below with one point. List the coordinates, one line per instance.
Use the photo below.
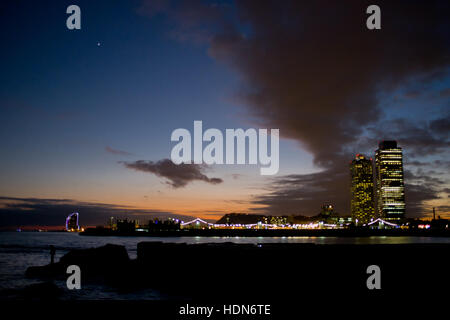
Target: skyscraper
(389, 181)
(362, 200)
(72, 222)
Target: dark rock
(107, 256)
(273, 270)
(44, 290)
(48, 271)
(109, 262)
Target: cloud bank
(17, 212)
(178, 176)
(117, 152)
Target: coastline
(217, 271)
(270, 233)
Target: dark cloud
(441, 127)
(422, 186)
(304, 194)
(423, 177)
(117, 152)
(178, 175)
(417, 163)
(416, 196)
(312, 69)
(412, 94)
(445, 93)
(440, 164)
(416, 138)
(52, 212)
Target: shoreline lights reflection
(313, 225)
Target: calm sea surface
(19, 250)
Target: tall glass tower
(362, 200)
(72, 222)
(389, 181)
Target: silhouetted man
(52, 254)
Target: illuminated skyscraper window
(389, 181)
(362, 200)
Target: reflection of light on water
(19, 250)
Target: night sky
(86, 115)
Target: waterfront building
(242, 218)
(390, 190)
(277, 220)
(126, 226)
(72, 222)
(362, 193)
(327, 210)
(327, 214)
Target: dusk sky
(86, 115)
